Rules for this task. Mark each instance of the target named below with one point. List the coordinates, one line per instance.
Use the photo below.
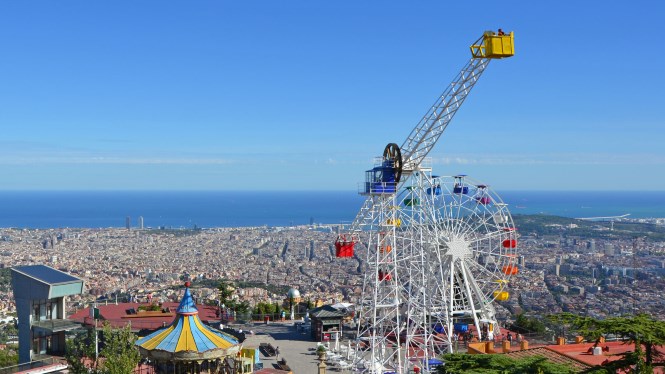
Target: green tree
(80, 353)
(500, 364)
(258, 310)
(231, 304)
(120, 354)
(641, 330)
(529, 324)
(277, 307)
(225, 293)
(263, 308)
(242, 308)
(7, 330)
(9, 356)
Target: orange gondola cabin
(510, 270)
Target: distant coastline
(176, 209)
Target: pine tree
(641, 330)
(225, 293)
(500, 364)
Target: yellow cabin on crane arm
(494, 45)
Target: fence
(56, 363)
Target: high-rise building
(140, 222)
(128, 222)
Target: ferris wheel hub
(457, 246)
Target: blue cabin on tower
(386, 173)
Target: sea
(208, 209)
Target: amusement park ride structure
(438, 250)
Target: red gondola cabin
(509, 243)
(344, 247)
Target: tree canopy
(120, 355)
(80, 353)
(9, 356)
(500, 364)
(642, 330)
(529, 324)
(225, 292)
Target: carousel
(189, 346)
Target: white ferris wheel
(474, 239)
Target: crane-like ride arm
(423, 137)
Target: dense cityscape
(598, 269)
(220, 127)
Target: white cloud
(552, 159)
(46, 160)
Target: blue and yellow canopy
(187, 333)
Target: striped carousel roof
(187, 333)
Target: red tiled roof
(577, 355)
(550, 355)
(117, 315)
(580, 351)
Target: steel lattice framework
(430, 255)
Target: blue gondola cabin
(435, 190)
(461, 328)
(459, 189)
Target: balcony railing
(56, 325)
(45, 365)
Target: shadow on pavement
(291, 336)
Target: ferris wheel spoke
(488, 245)
(481, 290)
(489, 235)
(480, 223)
(483, 273)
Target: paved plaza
(297, 347)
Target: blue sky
(301, 95)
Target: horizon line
(300, 190)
